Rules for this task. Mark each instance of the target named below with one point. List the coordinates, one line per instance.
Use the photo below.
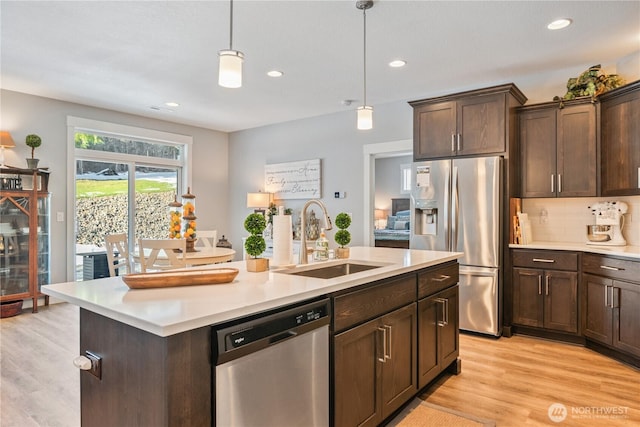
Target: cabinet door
(527, 297)
(599, 318)
(481, 125)
(537, 142)
(398, 380)
(356, 367)
(428, 317)
(433, 130)
(449, 348)
(561, 301)
(620, 145)
(626, 317)
(576, 151)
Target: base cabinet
(546, 299)
(375, 368)
(438, 344)
(612, 301)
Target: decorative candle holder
(175, 219)
(189, 219)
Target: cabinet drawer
(436, 280)
(549, 260)
(359, 306)
(611, 267)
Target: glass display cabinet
(24, 234)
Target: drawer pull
(606, 267)
(442, 278)
(548, 261)
(383, 358)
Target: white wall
(23, 114)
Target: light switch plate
(60, 216)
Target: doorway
(371, 152)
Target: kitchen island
(155, 345)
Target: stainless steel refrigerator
(456, 205)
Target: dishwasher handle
(283, 336)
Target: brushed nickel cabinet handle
(548, 261)
(559, 183)
(606, 267)
(442, 278)
(539, 284)
(552, 183)
(384, 345)
(606, 296)
(453, 142)
(546, 285)
(459, 137)
(387, 350)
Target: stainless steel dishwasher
(273, 370)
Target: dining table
(201, 256)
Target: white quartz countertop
(168, 311)
(632, 252)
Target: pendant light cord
(364, 64)
(231, 26)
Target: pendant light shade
(365, 112)
(230, 69)
(230, 72)
(365, 117)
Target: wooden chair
(160, 254)
(207, 238)
(118, 257)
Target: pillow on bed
(403, 213)
(391, 221)
(401, 225)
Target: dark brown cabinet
(620, 141)
(465, 124)
(545, 297)
(559, 150)
(375, 368)
(438, 334)
(612, 300)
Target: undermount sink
(331, 271)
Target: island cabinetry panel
(146, 380)
(547, 296)
(465, 124)
(620, 141)
(559, 149)
(612, 300)
(375, 368)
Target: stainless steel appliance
(274, 370)
(456, 205)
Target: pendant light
(230, 71)
(365, 112)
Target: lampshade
(258, 200)
(380, 213)
(365, 117)
(230, 71)
(6, 141)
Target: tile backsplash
(565, 219)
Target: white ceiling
(133, 55)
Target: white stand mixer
(609, 218)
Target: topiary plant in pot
(33, 141)
(342, 236)
(255, 245)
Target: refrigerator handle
(446, 212)
(454, 210)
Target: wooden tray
(166, 279)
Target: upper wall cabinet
(465, 124)
(620, 141)
(559, 147)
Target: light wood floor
(511, 380)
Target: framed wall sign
(293, 180)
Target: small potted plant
(342, 236)
(33, 141)
(255, 245)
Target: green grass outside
(89, 188)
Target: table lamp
(379, 214)
(258, 201)
(5, 142)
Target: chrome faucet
(303, 222)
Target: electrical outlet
(60, 216)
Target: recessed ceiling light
(397, 63)
(171, 104)
(559, 24)
(275, 73)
